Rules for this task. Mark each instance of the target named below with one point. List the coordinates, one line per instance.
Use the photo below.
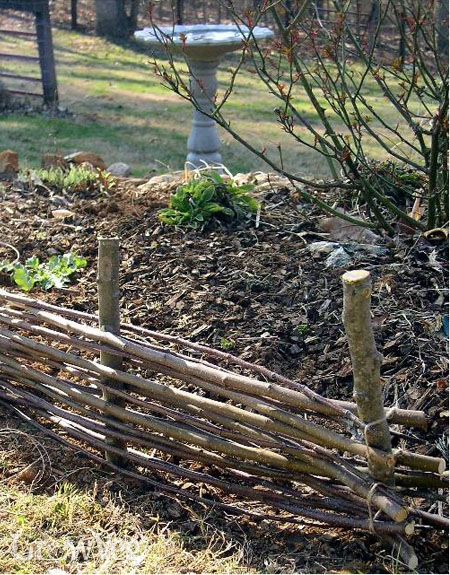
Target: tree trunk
(111, 19)
(441, 25)
(74, 14)
(46, 56)
(133, 17)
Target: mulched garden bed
(254, 288)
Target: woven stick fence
(162, 409)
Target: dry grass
(94, 529)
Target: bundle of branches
(257, 435)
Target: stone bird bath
(203, 46)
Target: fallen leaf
(62, 213)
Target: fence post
(179, 11)
(109, 320)
(366, 362)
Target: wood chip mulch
(256, 290)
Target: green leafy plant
(76, 178)
(227, 344)
(53, 273)
(206, 197)
(302, 329)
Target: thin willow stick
(383, 501)
(332, 519)
(148, 439)
(292, 496)
(166, 488)
(287, 423)
(402, 457)
(192, 452)
(413, 418)
(404, 550)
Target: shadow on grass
(34, 134)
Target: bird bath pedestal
(203, 46)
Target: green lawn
(119, 109)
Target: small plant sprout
(76, 179)
(227, 344)
(302, 329)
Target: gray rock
(294, 349)
(119, 169)
(318, 248)
(351, 248)
(338, 259)
(162, 179)
(365, 249)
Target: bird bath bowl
(203, 45)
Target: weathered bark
(441, 14)
(109, 320)
(366, 362)
(111, 19)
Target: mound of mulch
(254, 289)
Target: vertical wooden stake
(109, 320)
(366, 362)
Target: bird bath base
(203, 143)
(203, 46)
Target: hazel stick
(33, 378)
(333, 519)
(290, 424)
(366, 362)
(379, 526)
(109, 321)
(385, 502)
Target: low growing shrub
(209, 196)
(76, 178)
(53, 273)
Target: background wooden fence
(38, 32)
